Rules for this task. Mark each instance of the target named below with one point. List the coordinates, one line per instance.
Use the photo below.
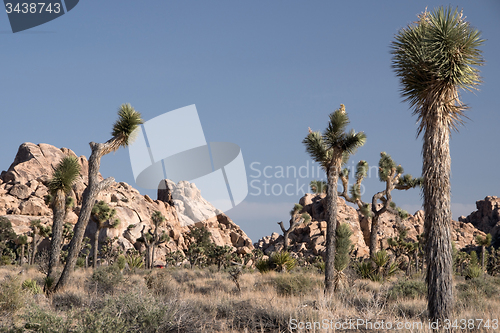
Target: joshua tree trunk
(34, 246)
(22, 255)
(96, 248)
(436, 189)
(374, 235)
(89, 197)
(331, 227)
(59, 211)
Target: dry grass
(184, 300)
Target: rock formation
(309, 240)
(23, 187)
(487, 216)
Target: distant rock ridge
(309, 240)
(23, 187)
(487, 216)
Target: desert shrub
(31, 286)
(407, 289)
(294, 284)
(138, 312)
(80, 262)
(161, 283)
(249, 315)
(67, 301)
(282, 261)
(121, 261)
(262, 265)
(11, 295)
(105, 279)
(134, 261)
(478, 287)
(44, 320)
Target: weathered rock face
(487, 216)
(309, 240)
(23, 187)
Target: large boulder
(23, 188)
(309, 240)
(487, 216)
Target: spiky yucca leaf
(343, 246)
(296, 208)
(361, 170)
(64, 175)
(157, 218)
(385, 165)
(124, 127)
(315, 146)
(433, 58)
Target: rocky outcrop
(23, 187)
(487, 216)
(309, 240)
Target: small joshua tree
(102, 213)
(38, 233)
(392, 175)
(59, 186)
(296, 219)
(152, 239)
(200, 247)
(483, 242)
(21, 242)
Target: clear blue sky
(259, 72)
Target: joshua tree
(38, 233)
(59, 187)
(483, 242)
(21, 241)
(128, 120)
(393, 177)
(318, 186)
(153, 239)
(102, 213)
(434, 58)
(296, 219)
(331, 149)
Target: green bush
(262, 265)
(46, 321)
(121, 261)
(282, 261)
(80, 262)
(294, 284)
(32, 287)
(11, 295)
(106, 279)
(407, 289)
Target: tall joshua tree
(102, 213)
(128, 120)
(332, 149)
(434, 58)
(59, 187)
